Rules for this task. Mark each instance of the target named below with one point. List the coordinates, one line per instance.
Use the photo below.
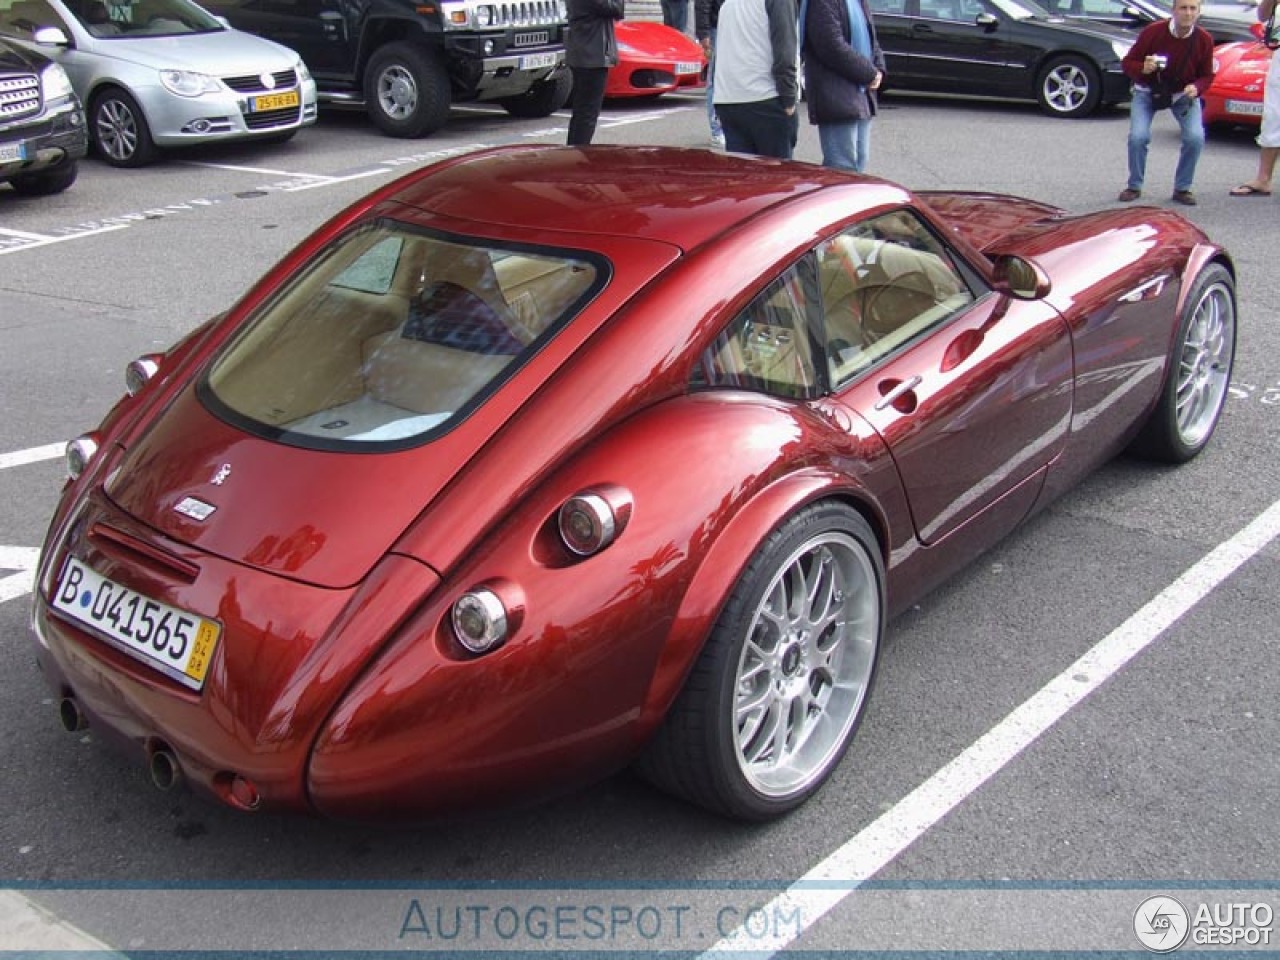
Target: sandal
(1248, 190)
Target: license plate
(684, 68)
(176, 642)
(1244, 107)
(273, 101)
(536, 61)
(9, 152)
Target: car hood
(983, 218)
(226, 52)
(13, 59)
(649, 39)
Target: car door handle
(897, 392)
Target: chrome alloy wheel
(806, 665)
(1204, 363)
(397, 92)
(118, 130)
(1066, 87)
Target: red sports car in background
(543, 461)
(1235, 96)
(654, 59)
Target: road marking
(18, 458)
(267, 171)
(19, 584)
(27, 926)
(823, 888)
(23, 242)
(22, 234)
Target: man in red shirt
(1174, 59)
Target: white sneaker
(717, 141)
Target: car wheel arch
(723, 563)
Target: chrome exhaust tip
(165, 771)
(71, 716)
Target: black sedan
(1136, 14)
(1002, 48)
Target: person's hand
(875, 84)
(706, 46)
(1150, 64)
(1190, 91)
(791, 110)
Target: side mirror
(50, 37)
(222, 20)
(987, 21)
(1019, 278)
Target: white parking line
(43, 240)
(22, 234)
(266, 171)
(835, 878)
(18, 458)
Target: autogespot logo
(1161, 923)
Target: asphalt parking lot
(1129, 631)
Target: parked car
(1136, 14)
(406, 62)
(1240, 76)
(42, 131)
(542, 461)
(165, 73)
(654, 59)
(1002, 48)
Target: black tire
(1069, 87)
(406, 91)
(1198, 374)
(54, 180)
(542, 99)
(118, 129)
(760, 724)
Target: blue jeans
(675, 13)
(1186, 111)
(846, 146)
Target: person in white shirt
(755, 81)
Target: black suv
(42, 129)
(406, 61)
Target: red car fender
(724, 563)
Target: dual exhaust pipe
(166, 772)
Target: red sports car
(1235, 96)
(543, 461)
(654, 59)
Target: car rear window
(392, 335)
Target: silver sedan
(165, 73)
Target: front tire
(406, 91)
(774, 698)
(1069, 87)
(1198, 374)
(46, 182)
(119, 130)
(542, 99)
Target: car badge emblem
(195, 509)
(268, 81)
(220, 477)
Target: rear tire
(46, 181)
(1198, 373)
(1069, 87)
(775, 697)
(406, 91)
(542, 99)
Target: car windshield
(139, 18)
(1020, 9)
(392, 335)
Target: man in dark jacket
(590, 50)
(843, 68)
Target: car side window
(898, 7)
(767, 347)
(884, 282)
(22, 18)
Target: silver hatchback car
(165, 73)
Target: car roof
(678, 196)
